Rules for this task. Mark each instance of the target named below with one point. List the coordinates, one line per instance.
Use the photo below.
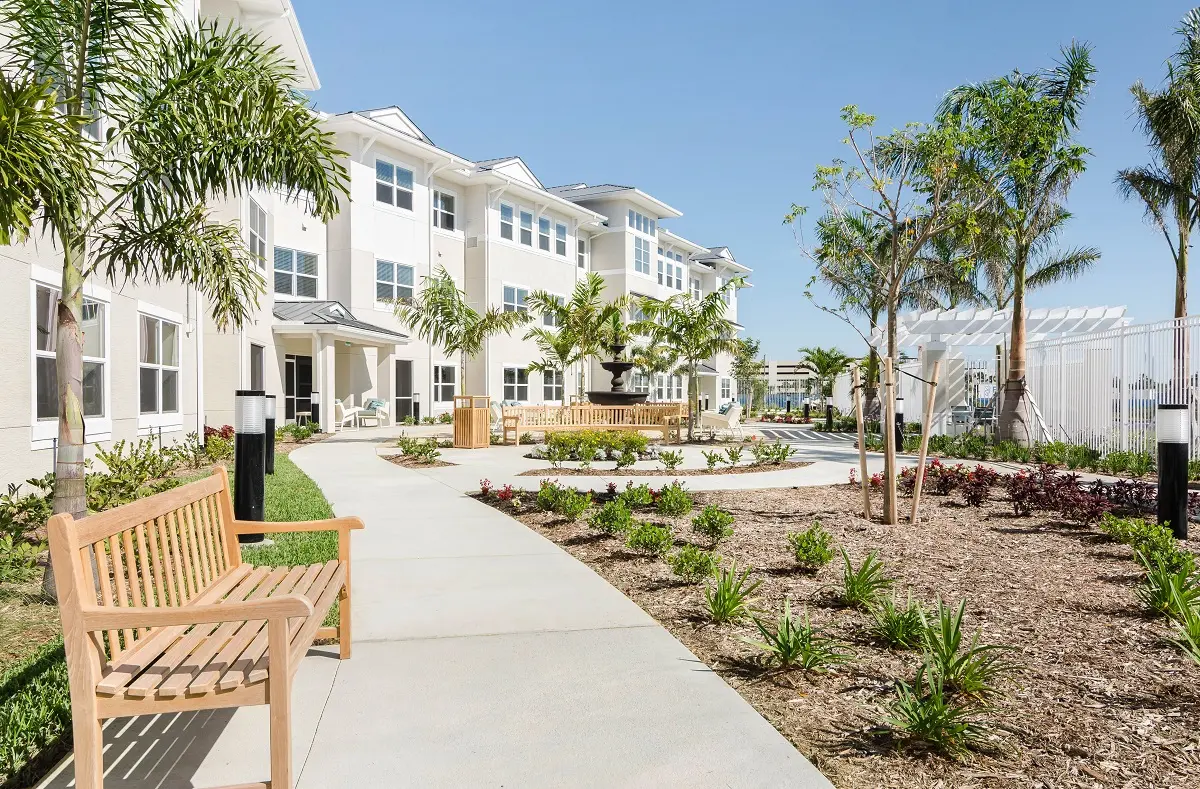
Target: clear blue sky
(722, 109)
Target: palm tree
(194, 112)
(586, 316)
(694, 330)
(827, 364)
(559, 349)
(654, 358)
(1028, 122)
(1170, 185)
(440, 315)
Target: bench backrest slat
(161, 551)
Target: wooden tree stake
(862, 444)
(927, 421)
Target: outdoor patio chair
(730, 421)
(345, 415)
(375, 409)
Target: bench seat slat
(130, 664)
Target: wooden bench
(651, 417)
(160, 614)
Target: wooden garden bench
(160, 614)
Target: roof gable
(513, 167)
(394, 118)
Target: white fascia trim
(54, 279)
(545, 199)
(397, 139)
(155, 311)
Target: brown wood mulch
(660, 472)
(410, 462)
(1101, 698)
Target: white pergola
(978, 326)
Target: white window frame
(44, 432)
(443, 387)
(256, 237)
(726, 389)
(640, 223)
(395, 185)
(641, 256)
(544, 230)
(660, 268)
(510, 224)
(439, 214)
(295, 274)
(640, 382)
(516, 385)
(560, 239)
(695, 288)
(522, 229)
(553, 386)
(395, 285)
(581, 252)
(518, 304)
(160, 418)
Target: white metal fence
(1102, 389)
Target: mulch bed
(1101, 698)
(660, 472)
(409, 462)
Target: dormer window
(641, 223)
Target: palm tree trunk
(70, 491)
(1013, 423)
(693, 394)
(1180, 368)
(462, 372)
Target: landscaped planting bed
(609, 471)
(1099, 695)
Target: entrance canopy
(980, 326)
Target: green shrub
(714, 524)
(650, 539)
(18, 558)
(1009, 451)
(1141, 464)
(23, 512)
(712, 459)
(613, 518)
(733, 455)
(861, 587)
(635, 496)
(1079, 456)
(626, 458)
(547, 495)
(571, 503)
(35, 716)
(761, 452)
(970, 669)
(900, 626)
(1116, 462)
(670, 459)
(924, 712)
(1054, 453)
(574, 445)
(728, 599)
(813, 547)
(526, 438)
(1188, 634)
(673, 499)
(1193, 470)
(446, 417)
(586, 452)
(1169, 592)
(792, 644)
(692, 564)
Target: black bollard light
(269, 433)
(249, 424)
(899, 424)
(1174, 435)
(829, 417)
(789, 406)
(806, 408)
(416, 407)
(314, 409)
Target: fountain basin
(617, 398)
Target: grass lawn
(35, 720)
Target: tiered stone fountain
(618, 394)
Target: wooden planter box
(472, 421)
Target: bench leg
(89, 752)
(344, 622)
(280, 697)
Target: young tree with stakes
(918, 183)
(194, 112)
(747, 368)
(694, 329)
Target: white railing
(1102, 389)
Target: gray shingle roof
(326, 313)
(582, 191)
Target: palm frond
(1064, 266)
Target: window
(696, 288)
(443, 210)
(636, 313)
(640, 223)
(443, 383)
(158, 370)
(295, 273)
(516, 384)
(660, 269)
(726, 389)
(95, 354)
(581, 252)
(641, 256)
(393, 281)
(514, 299)
(668, 387)
(560, 239)
(640, 382)
(549, 318)
(677, 383)
(506, 221)
(544, 233)
(256, 241)
(257, 367)
(725, 295)
(393, 185)
(527, 228)
(678, 277)
(552, 385)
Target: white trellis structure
(1102, 388)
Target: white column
(932, 352)
(385, 376)
(324, 376)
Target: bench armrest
(282, 607)
(275, 527)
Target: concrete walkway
(484, 656)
